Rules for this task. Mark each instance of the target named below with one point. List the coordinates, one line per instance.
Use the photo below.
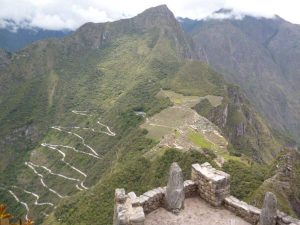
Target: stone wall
(213, 185)
(247, 212)
(210, 184)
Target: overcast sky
(70, 14)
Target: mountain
(5, 59)
(13, 40)
(261, 56)
(284, 182)
(112, 105)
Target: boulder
(269, 211)
(175, 189)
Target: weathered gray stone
(120, 195)
(137, 216)
(120, 217)
(190, 188)
(131, 195)
(213, 185)
(242, 209)
(175, 189)
(269, 211)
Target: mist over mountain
(15, 38)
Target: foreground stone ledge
(284, 219)
(152, 199)
(210, 184)
(248, 212)
(190, 188)
(213, 185)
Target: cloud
(70, 14)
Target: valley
(181, 127)
(113, 105)
(68, 173)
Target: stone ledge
(284, 219)
(248, 212)
(152, 199)
(210, 173)
(210, 184)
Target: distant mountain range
(14, 40)
(261, 55)
(113, 104)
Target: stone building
(205, 199)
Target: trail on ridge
(79, 183)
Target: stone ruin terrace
(204, 200)
(196, 211)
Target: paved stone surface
(196, 212)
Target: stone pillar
(269, 211)
(120, 217)
(175, 189)
(213, 185)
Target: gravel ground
(196, 212)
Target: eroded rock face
(175, 189)
(269, 210)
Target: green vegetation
(199, 140)
(134, 173)
(243, 127)
(245, 179)
(110, 78)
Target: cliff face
(261, 56)
(243, 127)
(284, 183)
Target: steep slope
(284, 182)
(54, 91)
(14, 40)
(243, 127)
(71, 112)
(260, 55)
(4, 59)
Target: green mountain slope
(284, 182)
(261, 56)
(71, 113)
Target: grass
(179, 99)
(111, 81)
(199, 140)
(134, 173)
(245, 179)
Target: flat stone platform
(196, 212)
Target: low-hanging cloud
(70, 14)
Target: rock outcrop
(269, 211)
(175, 189)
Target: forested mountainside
(112, 105)
(260, 55)
(14, 39)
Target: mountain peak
(162, 9)
(157, 15)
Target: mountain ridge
(64, 99)
(250, 55)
